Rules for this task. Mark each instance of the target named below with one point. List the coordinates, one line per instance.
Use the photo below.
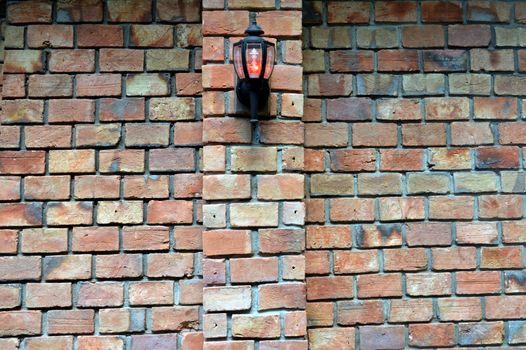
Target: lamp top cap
(253, 29)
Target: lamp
(253, 63)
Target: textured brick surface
(381, 207)
(412, 168)
(92, 190)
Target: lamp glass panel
(270, 61)
(254, 59)
(238, 62)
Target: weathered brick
(122, 320)
(116, 266)
(412, 259)
(375, 135)
(411, 310)
(70, 111)
(129, 11)
(367, 37)
(380, 285)
(54, 36)
(71, 267)
(86, 239)
(481, 333)
(44, 240)
(489, 61)
(147, 84)
(71, 321)
(355, 262)
(17, 323)
(282, 296)
(23, 61)
(20, 268)
(426, 284)
(22, 111)
(341, 61)
(148, 35)
(48, 295)
(445, 60)
(427, 36)
(100, 35)
(432, 335)
(332, 338)
(227, 298)
(385, 235)
(352, 209)
(478, 282)
(382, 337)
(249, 326)
(79, 11)
(21, 214)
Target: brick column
(253, 187)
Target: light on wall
(253, 62)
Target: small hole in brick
(295, 211)
(293, 103)
(214, 216)
(293, 158)
(293, 267)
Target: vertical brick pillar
(253, 186)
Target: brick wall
(100, 177)
(380, 207)
(413, 135)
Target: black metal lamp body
(253, 62)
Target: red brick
(104, 342)
(59, 343)
(429, 234)
(461, 258)
(423, 36)
(252, 270)
(8, 241)
(505, 307)
(382, 337)
(445, 61)
(131, 108)
(170, 265)
(347, 12)
(69, 267)
(13, 85)
(92, 239)
(346, 262)
(99, 35)
(19, 268)
(478, 282)
(48, 295)
(326, 135)
(22, 111)
(495, 108)
(352, 209)
(331, 338)
(9, 137)
(100, 294)
(349, 109)
(360, 312)
(188, 134)
(70, 111)
(170, 212)
(411, 310)
(501, 257)
(424, 134)
(44, 240)
(412, 259)
(121, 60)
(281, 133)
(432, 335)
(188, 84)
(69, 213)
(280, 23)
(218, 76)
(457, 208)
(146, 187)
(375, 135)
(227, 242)
(34, 12)
(384, 285)
(282, 296)
(23, 61)
(20, 214)
(185, 12)
(98, 85)
(54, 36)
(175, 318)
(426, 284)
(399, 109)
(256, 326)
(71, 321)
(329, 84)
(172, 159)
(397, 61)
(436, 11)
(151, 35)
(500, 207)
(130, 11)
(80, 11)
(401, 160)
(95, 186)
(281, 240)
(370, 236)
(471, 35)
(188, 185)
(151, 293)
(10, 188)
(116, 266)
(346, 61)
(353, 160)
(56, 85)
(224, 22)
(395, 11)
(226, 130)
(15, 323)
(48, 136)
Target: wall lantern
(253, 62)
